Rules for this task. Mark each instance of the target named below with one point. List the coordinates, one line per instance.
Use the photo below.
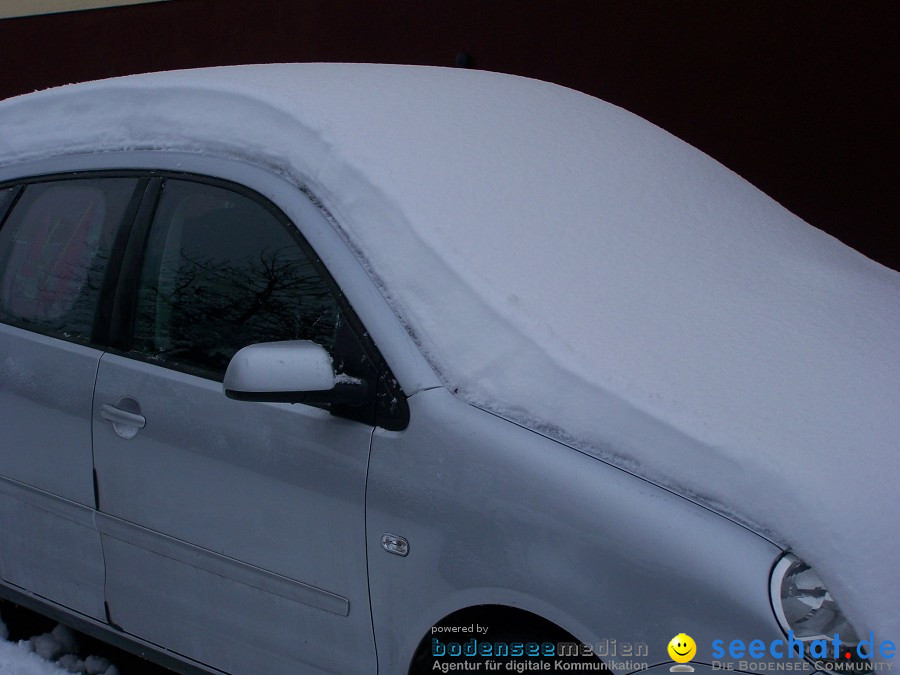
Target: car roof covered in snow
(568, 265)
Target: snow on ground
(572, 267)
(53, 653)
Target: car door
(55, 248)
(233, 531)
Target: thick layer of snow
(53, 653)
(571, 266)
(19, 659)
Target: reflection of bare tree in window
(221, 272)
(215, 307)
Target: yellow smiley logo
(682, 648)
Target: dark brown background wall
(798, 97)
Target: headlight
(802, 603)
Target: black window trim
(17, 189)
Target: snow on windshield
(570, 266)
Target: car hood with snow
(574, 268)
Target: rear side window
(54, 249)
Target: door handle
(125, 424)
(113, 414)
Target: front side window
(54, 250)
(221, 271)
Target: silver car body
(250, 537)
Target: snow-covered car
(345, 368)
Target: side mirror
(294, 371)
